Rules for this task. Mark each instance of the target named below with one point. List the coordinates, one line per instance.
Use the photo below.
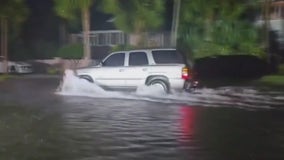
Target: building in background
(275, 25)
(102, 41)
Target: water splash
(153, 90)
(73, 85)
(241, 97)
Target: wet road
(86, 123)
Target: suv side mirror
(96, 63)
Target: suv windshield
(167, 56)
(114, 60)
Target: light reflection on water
(138, 130)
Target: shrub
(121, 47)
(71, 51)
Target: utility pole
(4, 42)
(266, 16)
(175, 22)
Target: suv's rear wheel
(161, 83)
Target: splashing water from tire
(241, 97)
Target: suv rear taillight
(185, 73)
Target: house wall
(102, 41)
(276, 23)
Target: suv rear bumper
(190, 85)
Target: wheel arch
(87, 77)
(156, 77)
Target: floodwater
(81, 121)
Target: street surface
(81, 122)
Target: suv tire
(161, 83)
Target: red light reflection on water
(187, 120)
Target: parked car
(15, 67)
(130, 69)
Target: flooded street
(84, 122)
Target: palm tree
(68, 9)
(136, 16)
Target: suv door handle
(121, 70)
(144, 69)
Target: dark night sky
(42, 22)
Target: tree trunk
(175, 22)
(140, 35)
(86, 36)
(266, 16)
(62, 32)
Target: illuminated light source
(185, 74)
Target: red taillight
(185, 74)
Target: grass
(275, 79)
(3, 77)
(53, 71)
(281, 69)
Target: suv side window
(138, 59)
(115, 60)
(166, 56)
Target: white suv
(134, 68)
